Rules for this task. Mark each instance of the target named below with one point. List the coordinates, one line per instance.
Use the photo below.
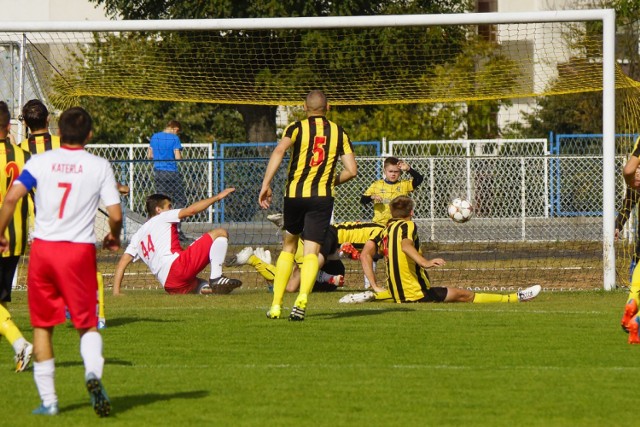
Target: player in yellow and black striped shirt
(315, 144)
(36, 117)
(407, 278)
(12, 160)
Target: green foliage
(194, 361)
(384, 55)
(126, 121)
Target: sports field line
(474, 367)
(383, 307)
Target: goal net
(471, 81)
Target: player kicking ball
(157, 244)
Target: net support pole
(608, 147)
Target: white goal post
(606, 17)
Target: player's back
(70, 184)
(157, 243)
(39, 143)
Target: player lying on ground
(158, 245)
(330, 277)
(342, 240)
(408, 280)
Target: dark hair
(174, 124)
(74, 125)
(401, 207)
(391, 161)
(5, 115)
(153, 201)
(35, 114)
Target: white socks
(43, 373)
(91, 352)
(217, 253)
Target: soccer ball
(460, 210)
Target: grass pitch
(560, 360)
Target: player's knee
(218, 232)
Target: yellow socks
(489, 298)
(267, 271)
(308, 274)
(284, 267)
(7, 328)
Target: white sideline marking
(475, 367)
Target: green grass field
(190, 361)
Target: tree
(581, 112)
(384, 46)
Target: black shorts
(330, 244)
(7, 272)
(308, 216)
(434, 294)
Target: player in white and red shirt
(157, 244)
(62, 267)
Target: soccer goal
(466, 77)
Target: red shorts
(182, 278)
(62, 274)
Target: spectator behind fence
(164, 147)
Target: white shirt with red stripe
(70, 184)
(157, 243)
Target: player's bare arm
(203, 204)
(15, 193)
(125, 260)
(264, 198)
(412, 252)
(349, 171)
(112, 240)
(630, 174)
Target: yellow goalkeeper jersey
(387, 191)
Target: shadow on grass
(360, 313)
(120, 404)
(70, 363)
(120, 321)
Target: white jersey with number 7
(69, 185)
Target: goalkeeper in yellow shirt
(382, 191)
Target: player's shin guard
(308, 274)
(284, 267)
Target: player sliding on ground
(342, 240)
(157, 243)
(408, 280)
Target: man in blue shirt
(164, 147)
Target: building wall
(51, 10)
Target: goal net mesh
(538, 212)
